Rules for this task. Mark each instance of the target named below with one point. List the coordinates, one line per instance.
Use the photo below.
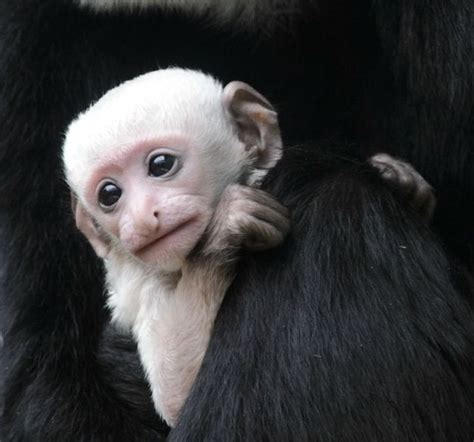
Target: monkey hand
(247, 217)
(408, 182)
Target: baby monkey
(163, 170)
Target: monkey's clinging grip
(406, 180)
(246, 217)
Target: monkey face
(150, 201)
(149, 161)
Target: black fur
(387, 75)
(352, 331)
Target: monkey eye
(161, 164)
(109, 194)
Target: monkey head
(149, 161)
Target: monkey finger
(260, 235)
(408, 182)
(262, 197)
(419, 193)
(424, 203)
(278, 220)
(397, 173)
(277, 216)
(265, 207)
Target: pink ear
(256, 120)
(85, 223)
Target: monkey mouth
(144, 252)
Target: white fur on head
(160, 103)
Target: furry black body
(391, 76)
(353, 331)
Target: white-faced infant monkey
(162, 171)
(162, 166)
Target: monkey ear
(257, 122)
(88, 228)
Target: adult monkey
(390, 76)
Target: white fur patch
(243, 12)
(171, 324)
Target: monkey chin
(168, 253)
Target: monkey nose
(147, 222)
(154, 221)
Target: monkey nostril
(155, 214)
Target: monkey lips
(173, 244)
